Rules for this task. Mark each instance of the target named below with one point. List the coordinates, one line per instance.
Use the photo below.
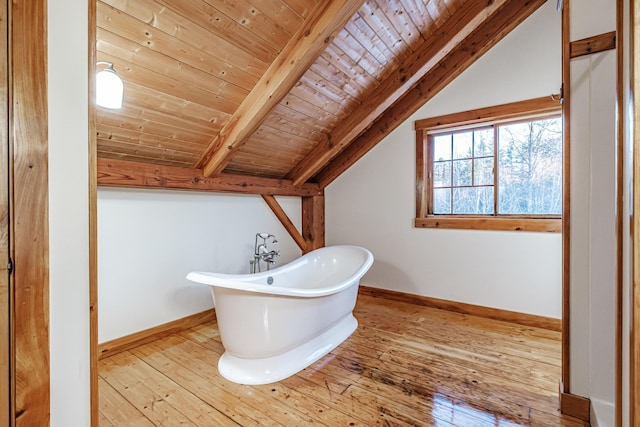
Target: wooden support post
(313, 222)
(285, 221)
(30, 212)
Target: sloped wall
(373, 203)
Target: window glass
(529, 175)
(530, 168)
(483, 171)
(442, 174)
(442, 147)
(442, 201)
(462, 173)
(462, 145)
(483, 142)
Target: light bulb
(109, 89)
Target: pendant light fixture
(109, 87)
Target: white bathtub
(276, 323)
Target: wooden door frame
(566, 294)
(28, 119)
(634, 356)
(6, 407)
(93, 218)
(566, 201)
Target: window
(495, 168)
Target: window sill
(553, 225)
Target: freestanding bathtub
(276, 323)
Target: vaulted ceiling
(288, 90)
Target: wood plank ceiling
(296, 90)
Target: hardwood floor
(404, 365)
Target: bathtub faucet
(261, 252)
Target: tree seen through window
(523, 161)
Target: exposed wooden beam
(595, 44)
(458, 27)
(496, 113)
(305, 46)
(28, 43)
(313, 222)
(479, 41)
(120, 173)
(286, 221)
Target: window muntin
(461, 184)
(527, 156)
(462, 177)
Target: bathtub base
(276, 368)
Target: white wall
(593, 213)
(593, 241)
(373, 203)
(148, 240)
(68, 213)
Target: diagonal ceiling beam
(464, 22)
(476, 44)
(318, 30)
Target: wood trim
(591, 45)
(285, 221)
(499, 113)
(524, 319)
(634, 345)
(317, 32)
(128, 342)
(119, 173)
(460, 25)
(575, 406)
(553, 225)
(313, 226)
(566, 198)
(621, 158)
(531, 109)
(93, 220)
(460, 58)
(423, 165)
(30, 207)
(6, 362)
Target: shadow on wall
(189, 295)
(389, 276)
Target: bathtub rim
(244, 282)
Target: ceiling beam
(318, 30)
(285, 221)
(459, 58)
(120, 173)
(463, 23)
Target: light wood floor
(405, 365)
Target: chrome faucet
(261, 252)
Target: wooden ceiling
(293, 90)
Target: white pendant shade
(109, 89)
